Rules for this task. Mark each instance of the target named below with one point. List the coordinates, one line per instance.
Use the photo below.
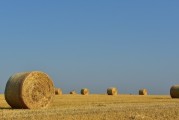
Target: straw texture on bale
(84, 91)
(112, 91)
(58, 91)
(73, 92)
(29, 90)
(143, 92)
(174, 91)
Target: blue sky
(93, 44)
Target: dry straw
(112, 91)
(29, 90)
(84, 91)
(58, 91)
(143, 92)
(174, 91)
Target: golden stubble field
(98, 107)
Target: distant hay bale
(84, 91)
(174, 91)
(29, 90)
(112, 91)
(58, 91)
(73, 92)
(143, 92)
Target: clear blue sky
(95, 44)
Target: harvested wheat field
(98, 107)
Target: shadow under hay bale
(29, 90)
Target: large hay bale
(84, 91)
(29, 90)
(174, 91)
(58, 91)
(143, 92)
(112, 91)
(73, 92)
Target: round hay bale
(29, 90)
(143, 92)
(58, 91)
(112, 91)
(73, 92)
(84, 91)
(174, 91)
